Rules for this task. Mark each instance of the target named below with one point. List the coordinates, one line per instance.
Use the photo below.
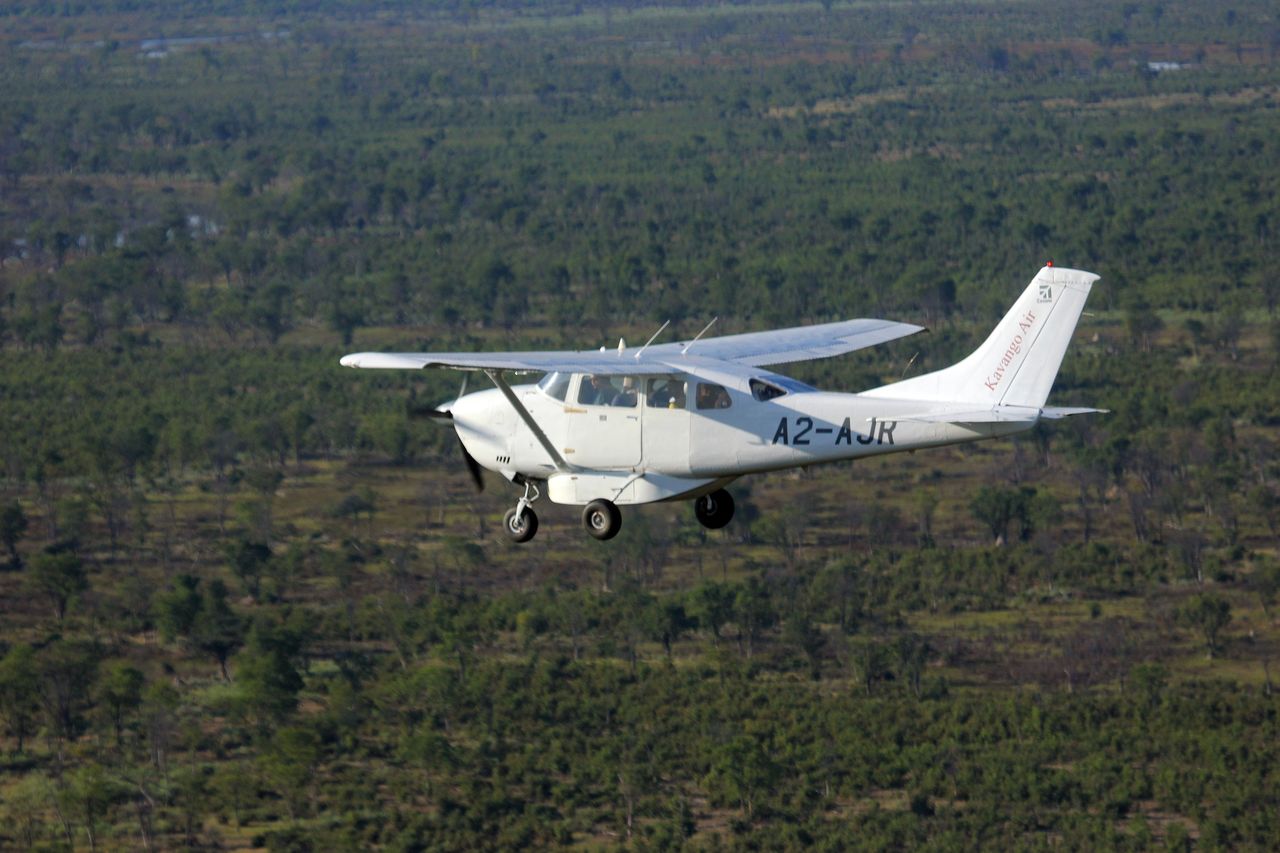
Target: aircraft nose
(460, 406)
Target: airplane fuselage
(672, 448)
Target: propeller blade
(443, 411)
(472, 466)
(433, 414)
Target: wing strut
(496, 376)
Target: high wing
(800, 343)
(606, 363)
(778, 346)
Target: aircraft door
(666, 425)
(716, 438)
(604, 423)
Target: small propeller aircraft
(680, 421)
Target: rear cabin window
(712, 396)
(762, 390)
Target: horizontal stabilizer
(997, 415)
(1054, 413)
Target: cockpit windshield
(555, 385)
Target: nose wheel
(520, 526)
(714, 510)
(521, 522)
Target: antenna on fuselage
(700, 334)
(640, 351)
(910, 362)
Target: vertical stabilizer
(1018, 362)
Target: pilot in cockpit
(627, 396)
(597, 391)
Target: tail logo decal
(1011, 352)
(1046, 293)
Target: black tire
(522, 530)
(714, 510)
(602, 519)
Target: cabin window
(712, 396)
(555, 385)
(762, 390)
(665, 392)
(601, 390)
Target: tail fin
(1018, 362)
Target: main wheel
(520, 529)
(714, 510)
(602, 519)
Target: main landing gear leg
(522, 522)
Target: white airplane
(680, 421)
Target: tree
(1207, 613)
(1142, 323)
(754, 611)
(667, 622)
(289, 765)
(216, 629)
(870, 661)
(801, 631)
(24, 805)
(248, 560)
(1266, 581)
(712, 605)
(269, 681)
(59, 577)
(19, 692)
(912, 652)
(204, 622)
(176, 608)
(89, 793)
(66, 672)
(120, 691)
(998, 506)
(742, 770)
(159, 721)
(13, 525)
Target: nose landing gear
(521, 523)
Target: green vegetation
(248, 600)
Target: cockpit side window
(762, 390)
(555, 385)
(665, 392)
(712, 396)
(600, 390)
